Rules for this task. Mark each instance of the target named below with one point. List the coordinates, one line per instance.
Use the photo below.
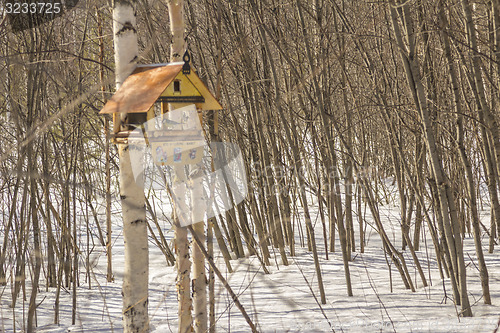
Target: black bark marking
(126, 26)
(122, 2)
(131, 310)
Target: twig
(223, 280)
(314, 295)
(378, 297)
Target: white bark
(182, 262)
(181, 219)
(177, 27)
(199, 282)
(125, 39)
(199, 275)
(135, 279)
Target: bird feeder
(175, 84)
(180, 140)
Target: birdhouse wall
(187, 88)
(191, 87)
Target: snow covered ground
(282, 301)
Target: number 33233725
(32, 8)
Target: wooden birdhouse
(173, 83)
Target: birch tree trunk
(198, 208)
(183, 264)
(199, 275)
(135, 279)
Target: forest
(369, 141)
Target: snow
(282, 300)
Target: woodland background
(327, 100)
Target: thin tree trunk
(296, 154)
(333, 178)
(448, 212)
(109, 269)
(36, 231)
(182, 263)
(465, 161)
(199, 276)
(483, 106)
